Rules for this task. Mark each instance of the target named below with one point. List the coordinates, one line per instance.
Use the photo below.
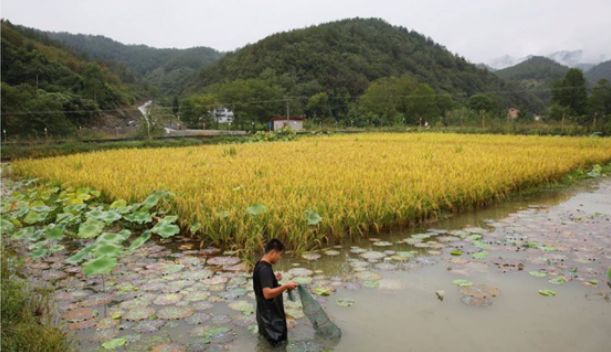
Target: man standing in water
(270, 307)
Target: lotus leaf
(54, 232)
(138, 242)
(213, 333)
(312, 217)
(114, 343)
(90, 228)
(174, 313)
(256, 209)
(558, 280)
(99, 266)
(462, 283)
(547, 293)
(165, 229)
(242, 306)
(537, 273)
(345, 302)
(480, 255)
(139, 217)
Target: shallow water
(565, 234)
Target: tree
(571, 92)
(398, 99)
(599, 104)
(250, 99)
(318, 105)
(195, 110)
(483, 103)
(175, 106)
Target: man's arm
(269, 293)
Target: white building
(294, 122)
(222, 115)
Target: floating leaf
(345, 302)
(537, 273)
(462, 283)
(34, 217)
(139, 217)
(558, 280)
(382, 244)
(54, 232)
(107, 249)
(256, 209)
(440, 294)
(114, 237)
(174, 313)
(39, 252)
(480, 255)
(102, 265)
(311, 256)
(214, 332)
(242, 306)
(6, 227)
(114, 343)
(119, 203)
(80, 255)
(456, 252)
(139, 313)
(322, 291)
(90, 228)
(547, 293)
(138, 242)
(165, 229)
(312, 217)
(152, 200)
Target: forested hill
(45, 86)
(598, 72)
(343, 57)
(163, 69)
(536, 74)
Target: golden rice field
(356, 183)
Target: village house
(293, 122)
(222, 115)
(512, 113)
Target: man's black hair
(274, 243)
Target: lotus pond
(529, 274)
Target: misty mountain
(536, 74)
(598, 72)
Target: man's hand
(278, 276)
(291, 285)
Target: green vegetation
(163, 71)
(47, 90)
(341, 59)
(536, 74)
(26, 321)
(598, 72)
(39, 150)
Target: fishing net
(317, 316)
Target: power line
(301, 97)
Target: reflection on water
(564, 235)
(464, 283)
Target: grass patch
(27, 324)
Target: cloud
(480, 30)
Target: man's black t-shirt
(270, 313)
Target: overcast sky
(480, 30)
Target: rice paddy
(315, 191)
